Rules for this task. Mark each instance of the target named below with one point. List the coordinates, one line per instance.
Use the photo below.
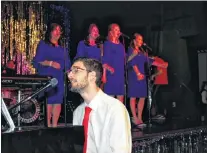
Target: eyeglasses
(75, 70)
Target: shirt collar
(95, 101)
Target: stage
(42, 140)
(171, 136)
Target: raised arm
(158, 63)
(133, 63)
(39, 57)
(107, 56)
(106, 59)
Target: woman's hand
(104, 76)
(109, 68)
(140, 76)
(55, 65)
(104, 79)
(45, 63)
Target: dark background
(189, 18)
(184, 29)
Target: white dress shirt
(109, 128)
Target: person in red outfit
(160, 78)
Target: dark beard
(76, 90)
(79, 89)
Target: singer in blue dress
(51, 60)
(114, 56)
(137, 79)
(137, 83)
(137, 88)
(91, 46)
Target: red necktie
(85, 124)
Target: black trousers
(159, 101)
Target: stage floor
(42, 140)
(157, 127)
(168, 126)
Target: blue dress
(137, 88)
(48, 52)
(84, 50)
(114, 55)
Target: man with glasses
(106, 121)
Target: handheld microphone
(53, 82)
(145, 45)
(124, 35)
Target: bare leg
(133, 109)
(121, 98)
(56, 114)
(140, 108)
(49, 114)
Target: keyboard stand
(7, 117)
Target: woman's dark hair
(132, 45)
(110, 27)
(50, 28)
(97, 41)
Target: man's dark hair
(92, 65)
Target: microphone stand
(35, 94)
(149, 88)
(125, 72)
(65, 81)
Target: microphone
(53, 82)
(145, 45)
(124, 35)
